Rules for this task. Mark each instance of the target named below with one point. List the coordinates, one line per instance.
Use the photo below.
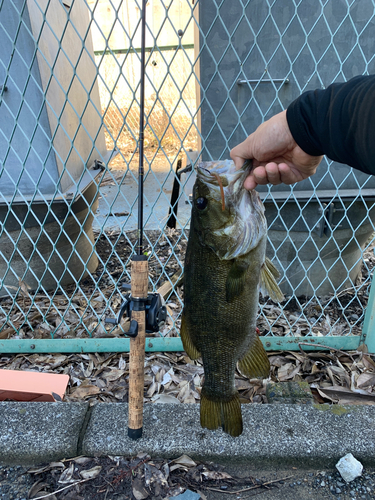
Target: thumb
(237, 160)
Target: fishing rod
(139, 274)
(147, 311)
(141, 129)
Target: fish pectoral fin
(236, 279)
(189, 347)
(225, 414)
(255, 363)
(268, 285)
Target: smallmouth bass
(225, 265)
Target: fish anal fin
(255, 363)
(268, 285)
(225, 414)
(189, 347)
(236, 279)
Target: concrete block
(34, 433)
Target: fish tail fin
(189, 347)
(268, 285)
(255, 363)
(225, 414)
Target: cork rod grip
(139, 285)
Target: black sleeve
(338, 121)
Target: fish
(225, 268)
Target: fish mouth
(223, 179)
(209, 171)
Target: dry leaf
(175, 490)
(345, 396)
(365, 380)
(113, 375)
(36, 488)
(178, 466)
(287, 372)
(368, 362)
(83, 392)
(82, 460)
(216, 476)
(24, 287)
(139, 491)
(151, 390)
(183, 460)
(122, 363)
(91, 473)
(67, 475)
(40, 470)
(7, 332)
(164, 398)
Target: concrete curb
(31, 433)
(303, 435)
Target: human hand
(276, 156)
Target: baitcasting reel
(154, 306)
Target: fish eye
(201, 203)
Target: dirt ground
(119, 478)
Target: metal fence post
(368, 331)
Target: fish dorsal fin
(236, 279)
(189, 347)
(255, 363)
(268, 285)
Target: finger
(260, 175)
(236, 156)
(250, 183)
(273, 173)
(288, 175)
(238, 161)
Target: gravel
(15, 483)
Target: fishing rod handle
(139, 286)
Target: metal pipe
(276, 80)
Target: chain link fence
(69, 118)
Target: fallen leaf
(83, 392)
(365, 380)
(139, 491)
(40, 470)
(184, 460)
(165, 398)
(36, 488)
(178, 466)
(113, 375)
(90, 473)
(56, 397)
(24, 287)
(151, 390)
(346, 396)
(287, 372)
(216, 476)
(175, 490)
(82, 460)
(67, 475)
